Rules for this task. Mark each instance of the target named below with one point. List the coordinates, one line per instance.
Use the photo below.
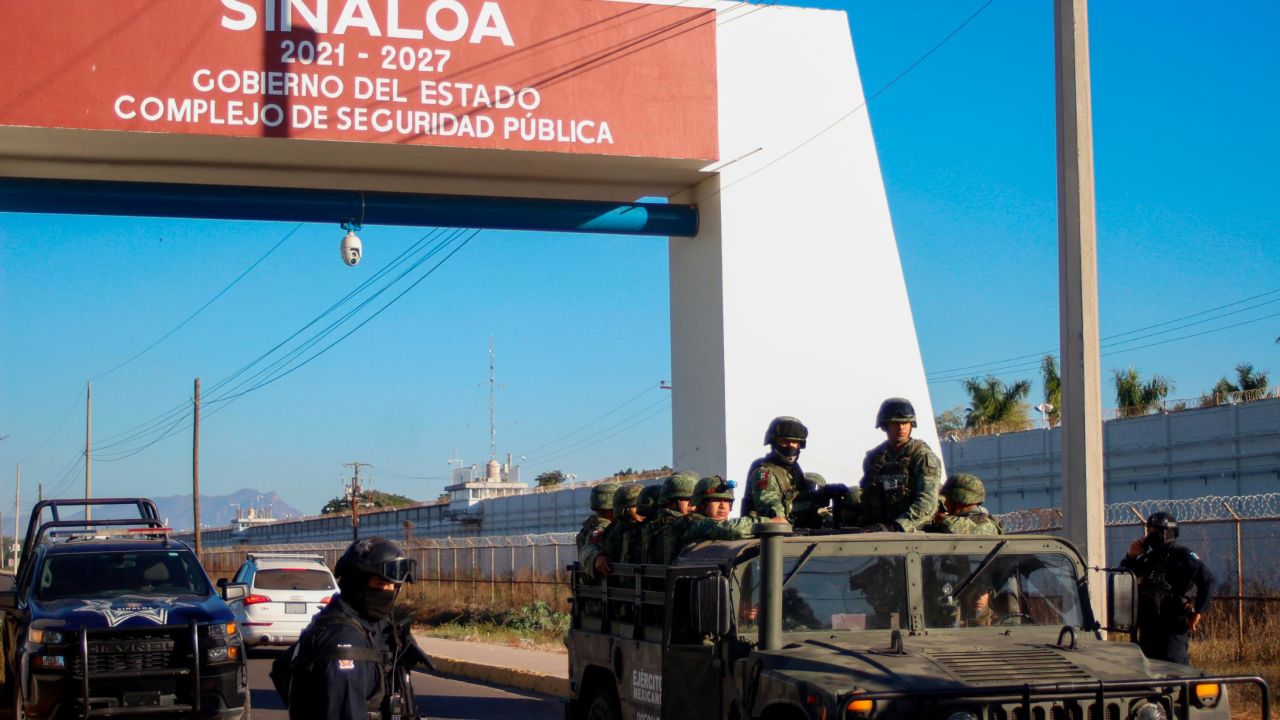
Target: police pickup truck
(110, 617)
(876, 625)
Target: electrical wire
(1117, 351)
(579, 444)
(1041, 354)
(203, 307)
(183, 423)
(580, 428)
(569, 453)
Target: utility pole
(195, 468)
(88, 450)
(355, 490)
(1081, 412)
(17, 512)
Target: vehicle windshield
(293, 579)
(110, 574)
(835, 593)
(1012, 589)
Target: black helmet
(1165, 523)
(786, 427)
(376, 557)
(895, 409)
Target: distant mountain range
(220, 510)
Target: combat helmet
(375, 557)
(602, 496)
(713, 488)
(679, 486)
(627, 496)
(647, 505)
(964, 489)
(785, 427)
(1165, 523)
(895, 409)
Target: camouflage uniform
(657, 541)
(703, 528)
(601, 499)
(965, 490)
(774, 482)
(622, 540)
(901, 486)
(772, 488)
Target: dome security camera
(351, 249)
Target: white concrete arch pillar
(791, 299)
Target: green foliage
(1134, 397)
(536, 618)
(1249, 379)
(950, 420)
(1052, 388)
(993, 406)
(549, 478)
(370, 499)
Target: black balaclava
(372, 603)
(786, 456)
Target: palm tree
(996, 407)
(1134, 397)
(1249, 379)
(1052, 388)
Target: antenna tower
(493, 418)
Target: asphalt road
(438, 698)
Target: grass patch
(535, 625)
(1217, 649)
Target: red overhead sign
(574, 76)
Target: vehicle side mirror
(8, 600)
(235, 591)
(1122, 601)
(711, 607)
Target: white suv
(285, 592)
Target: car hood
(126, 611)
(944, 662)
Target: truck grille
(1071, 710)
(134, 651)
(1030, 665)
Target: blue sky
(1184, 115)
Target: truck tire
(603, 705)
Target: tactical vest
(889, 492)
(785, 485)
(655, 532)
(302, 660)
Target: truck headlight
(1148, 711)
(49, 661)
(46, 637)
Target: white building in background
(469, 487)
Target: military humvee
(879, 625)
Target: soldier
(714, 496)
(621, 540)
(901, 476)
(659, 545)
(648, 504)
(602, 505)
(1173, 589)
(962, 497)
(775, 480)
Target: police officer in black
(353, 661)
(1173, 589)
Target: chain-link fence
(497, 571)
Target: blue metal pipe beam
(217, 202)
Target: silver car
(285, 592)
